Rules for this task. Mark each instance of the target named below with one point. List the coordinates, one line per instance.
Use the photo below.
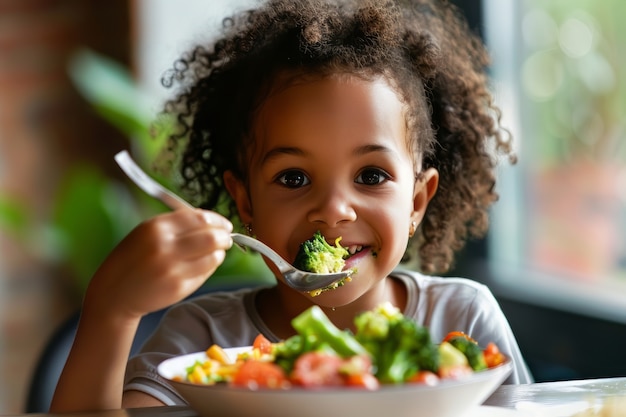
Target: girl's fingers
(183, 221)
(201, 242)
(167, 257)
(216, 220)
(184, 232)
(200, 268)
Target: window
(558, 234)
(165, 29)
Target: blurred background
(80, 80)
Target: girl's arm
(159, 263)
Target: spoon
(295, 278)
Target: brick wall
(45, 126)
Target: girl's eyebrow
(289, 150)
(281, 150)
(372, 148)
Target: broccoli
(398, 346)
(471, 350)
(287, 351)
(317, 328)
(315, 332)
(316, 255)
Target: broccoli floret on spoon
(316, 255)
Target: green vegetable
(451, 356)
(315, 333)
(317, 329)
(398, 346)
(288, 351)
(316, 255)
(471, 350)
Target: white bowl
(450, 398)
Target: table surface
(508, 396)
(556, 393)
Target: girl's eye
(293, 179)
(372, 176)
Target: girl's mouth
(357, 254)
(354, 249)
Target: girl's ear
(239, 193)
(425, 189)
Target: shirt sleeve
(487, 323)
(446, 304)
(188, 327)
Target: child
(367, 120)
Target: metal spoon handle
(254, 244)
(153, 188)
(147, 183)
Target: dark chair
(54, 355)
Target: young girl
(365, 120)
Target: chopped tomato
(365, 380)
(317, 369)
(454, 334)
(493, 356)
(262, 344)
(424, 377)
(257, 374)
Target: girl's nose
(332, 208)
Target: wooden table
(508, 396)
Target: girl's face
(332, 155)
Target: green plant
(92, 211)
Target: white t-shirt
(231, 319)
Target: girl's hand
(161, 261)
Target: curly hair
(423, 48)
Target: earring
(248, 228)
(412, 229)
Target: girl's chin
(334, 298)
(340, 296)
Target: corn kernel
(217, 353)
(197, 376)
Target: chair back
(56, 351)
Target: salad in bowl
(388, 365)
